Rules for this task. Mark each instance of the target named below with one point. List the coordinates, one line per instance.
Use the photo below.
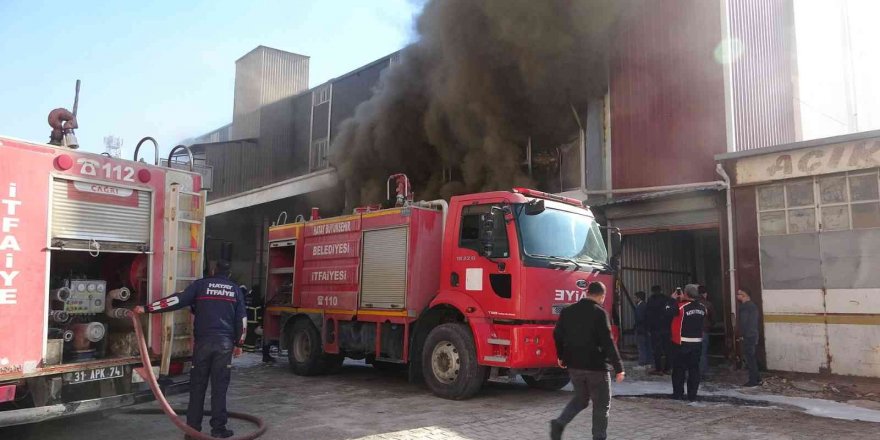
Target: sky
(839, 92)
(166, 68)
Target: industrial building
(271, 162)
(681, 91)
(807, 221)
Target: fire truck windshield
(559, 234)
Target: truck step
(495, 358)
(497, 341)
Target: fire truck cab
(460, 292)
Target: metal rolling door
(383, 284)
(81, 220)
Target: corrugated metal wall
(264, 76)
(665, 259)
(762, 100)
(667, 94)
(283, 74)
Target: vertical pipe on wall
(731, 265)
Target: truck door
(184, 247)
(486, 278)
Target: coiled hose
(147, 373)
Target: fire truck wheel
(546, 384)
(449, 362)
(305, 353)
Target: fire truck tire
(547, 384)
(449, 362)
(305, 354)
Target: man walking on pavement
(584, 346)
(687, 337)
(747, 318)
(219, 329)
(642, 341)
(658, 319)
(708, 322)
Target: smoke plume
(457, 111)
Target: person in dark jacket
(707, 327)
(687, 339)
(219, 329)
(747, 319)
(584, 346)
(658, 318)
(641, 329)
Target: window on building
(321, 95)
(320, 153)
(824, 203)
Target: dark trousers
(660, 345)
(686, 365)
(644, 346)
(212, 361)
(589, 385)
(704, 359)
(750, 345)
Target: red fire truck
(83, 239)
(459, 292)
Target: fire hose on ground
(147, 373)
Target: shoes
(222, 433)
(677, 397)
(268, 360)
(556, 430)
(752, 384)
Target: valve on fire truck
(402, 188)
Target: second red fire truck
(459, 292)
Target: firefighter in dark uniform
(687, 343)
(219, 329)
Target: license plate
(94, 374)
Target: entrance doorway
(672, 259)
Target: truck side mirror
(616, 242)
(487, 233)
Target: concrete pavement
(361, 403)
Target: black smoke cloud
(483, 77)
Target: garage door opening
(672, 259)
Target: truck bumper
(520, 346)
(48, 412)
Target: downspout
(730, 243)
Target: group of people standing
(656, 330)
(654, 326)
(673, 330)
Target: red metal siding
(667, 95)
(761, 76)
